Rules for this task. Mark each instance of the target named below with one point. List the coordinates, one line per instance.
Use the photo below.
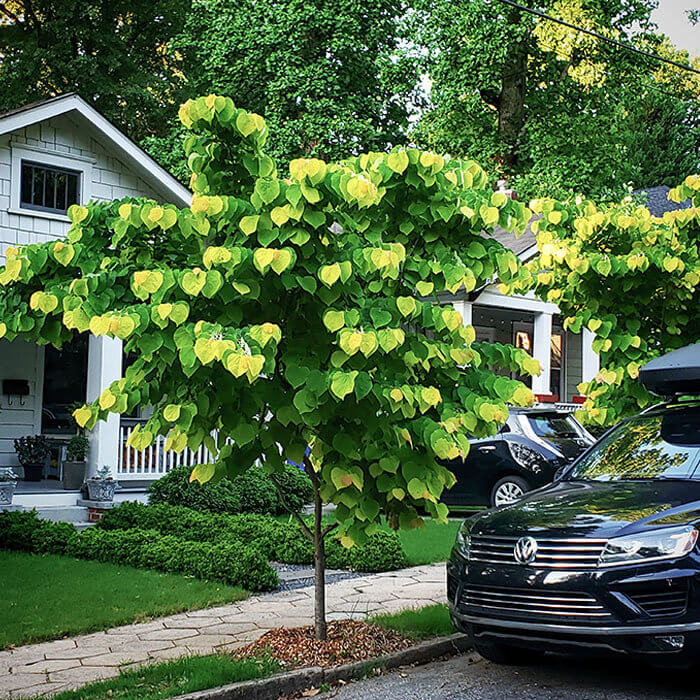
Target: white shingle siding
(110, 178)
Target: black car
(606, 559)
(528, 451)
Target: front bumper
(522, 605)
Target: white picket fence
(155, 460)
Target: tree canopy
(113, 53)
(553, 109)
(631, 278)
(327, 76)
(284, 312)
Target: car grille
(661, 599)
(573, 553)
(545, 605)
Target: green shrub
(17, 529)
(53, 538)
(381, 552)
(251, 492)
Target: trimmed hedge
(251, 492)
(231, 562)
(284, 542)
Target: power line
(606, 39)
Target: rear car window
(645, 447)
(553, 425)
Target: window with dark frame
(48, 188)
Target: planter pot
(7, 490)
(73, 475)
(33, 472)
(101, 489)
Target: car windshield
(647, 447)
(553, 425)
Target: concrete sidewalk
(50, 667)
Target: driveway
(471, 677)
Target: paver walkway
(49, 667)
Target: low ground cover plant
(280, 541)
(251, 492)
(233, 562)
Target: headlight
(525, 456)
(463, 542)
(670, 543)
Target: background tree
(632, 279)
(251, 314)
(326, 75)
(112, 53)
(553, 109)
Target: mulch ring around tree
(348, 641)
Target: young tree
(327, 76)
(112, 53)
(553, 109)
(631, 278)
(284, 312)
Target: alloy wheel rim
(507, 493)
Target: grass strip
(171, 678)
(418, 623)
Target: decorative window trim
(39, 156)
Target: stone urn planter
(8, 482)
(74, 466)
(101, 486)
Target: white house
(53, 154)
(62, 151)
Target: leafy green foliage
(250, 492)
(223, 306)
(630, 278)
(115, 59)
(326, 76)
(553, 109)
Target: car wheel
(508, 490)
(506, 655)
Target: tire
(506, 655)
(513, 485)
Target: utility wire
(614, 42)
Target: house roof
(71, 104)
(658, 202)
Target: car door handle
(487, 448)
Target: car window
(645, 447)
(553, 425)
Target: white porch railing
(154, 461)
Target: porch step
(69, 514)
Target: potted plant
(101, 486)
(74, 466)
(32, 451)
(8, 481)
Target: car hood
(595, 509)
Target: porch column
(590, 360)
(104, 367)
(464, 308)
(542, 351)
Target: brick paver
(50, 667)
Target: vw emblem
(525, 550)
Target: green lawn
(189, 674)
(430, 544)
(165, 680)
(45, 597)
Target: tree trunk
(320, 625)
(511, 112)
